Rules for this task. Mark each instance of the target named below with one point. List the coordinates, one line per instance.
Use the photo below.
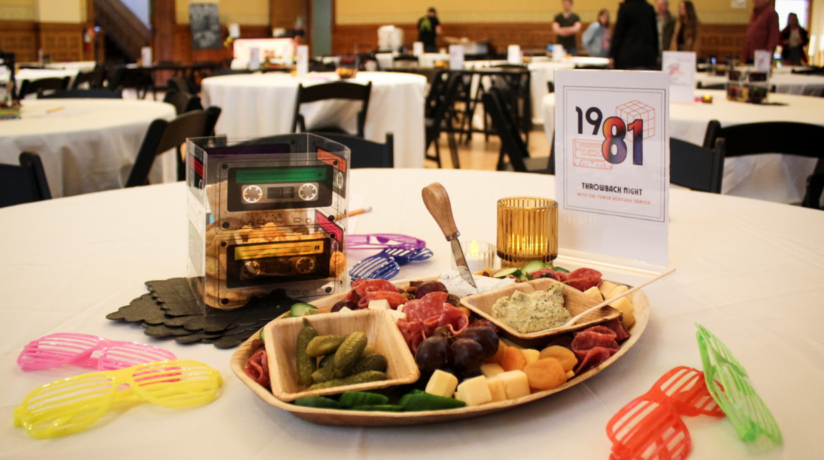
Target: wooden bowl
(280, 337)
(575, 302)
(357, 418)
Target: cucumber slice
(260, 336)
(323, 403)
(560, 270)
(533, 266)
(425, 401)
(362, 398)
(506, 272)
(301, 309)
(379, 407)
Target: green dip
(533, 312)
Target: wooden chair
(783, 137)
(183, 102)
(439, 115)
(82, 94)
(162, 136)
(695, 167)
(25, 183)
(327, 91)
(44, 84)
(512, 145)
(365, 153)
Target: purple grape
(432, 354)
(467, 355)
(344, 303)
(429, 286)
(486, 338)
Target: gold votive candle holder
(527, 230)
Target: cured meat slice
(454, 319)
(412, 332)
(395, 299)
(616, 326)
(584, 278)
(562, 341)
(257, 367)
(361, 287)
(430, 305)
(484, 323)
(593, 358)
(557, 276)
(593, 337)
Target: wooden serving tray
(358, 418)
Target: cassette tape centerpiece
(266, 214)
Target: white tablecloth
(263, 105)
(87, 146)
(779, 178)
(81, 66)
(39, 74)
(67, 277)
(788, 83)
(426, 60)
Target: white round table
(263, 105)
(785, 82)
(39, 74)
(86, 145)
(780, 178)
(81, 66)
(67, 277)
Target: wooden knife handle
(437, 202)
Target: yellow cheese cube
(442, 384)
(627, 310)
(605, 287)
(381, 304)
(515, 383)
(474, 391)
(570, 374)
(490, 370)
(594, 293)
(496, 389)
(620, 289)
(531, 355)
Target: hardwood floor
(482, 155)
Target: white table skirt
(779, 178)
(67, 263)
(88, 146)
(263, 105)
(788, 83)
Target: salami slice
(257, 367)
(395, 299)
(412, 332)
(361, 287)
(616, 326)
(584, 278)
(454, 319)
(430, 305)
(562, 341)
(594, 357)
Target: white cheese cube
(396, 315)
(594, 293)
(474, 391)
(496, 389)
(516, 384)
(442, 384)
(490, 370)
(605, 287)
(620, 289)
(531, 355)
(381, 304)
(345, 310)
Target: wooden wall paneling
(184, 53)
(722, 40)
(20, 38)
(63, 42)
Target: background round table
(261, 105)
(785, 82)
(67, 263)
(780, 178)
(87, 146)
(39, 74)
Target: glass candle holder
(478, 254)
(527, 230)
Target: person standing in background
(687, 36)
(666, 25)
(596, 39)
(429, 27)
(762, 31)
(793, 40)
(635, 38)
(566, 27)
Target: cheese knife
(437, 202)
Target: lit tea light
(478, 255)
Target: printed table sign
(303, 60)
(763, 60)
(612, 163)
(514, 55)
(456, 57)
(680, 65)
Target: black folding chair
(44, 84)
(95, 78)
(787, 138)
(327, 91)
(212, 115)
(181, 84)
(815, 187)
(512, 146)
(183, 102)
(550, 86)
(317, 65)
(136, 78)
(366, 153)
(721, 86)
(223, 72)
(83, 94)
(695, 167)
(405, 61)
(439, 114)
(25, 183)
(162, 136)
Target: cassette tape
(290, 187)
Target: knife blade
(437, 202)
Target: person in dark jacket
(635, 38)
(793, 39)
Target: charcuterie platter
(334, 416)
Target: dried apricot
(513, 360)
(545, 374)
(499, 355)
(564, 355)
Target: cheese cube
(474, 391)
(594, 293)
(531, 355)
(345, 310)
(496, 389)
(627, 310)
(620, 289)
(381, 304)
(442, 384)
(396, 315)
(570, 374)
(490, 370)
(515, 383)
(605, 287)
